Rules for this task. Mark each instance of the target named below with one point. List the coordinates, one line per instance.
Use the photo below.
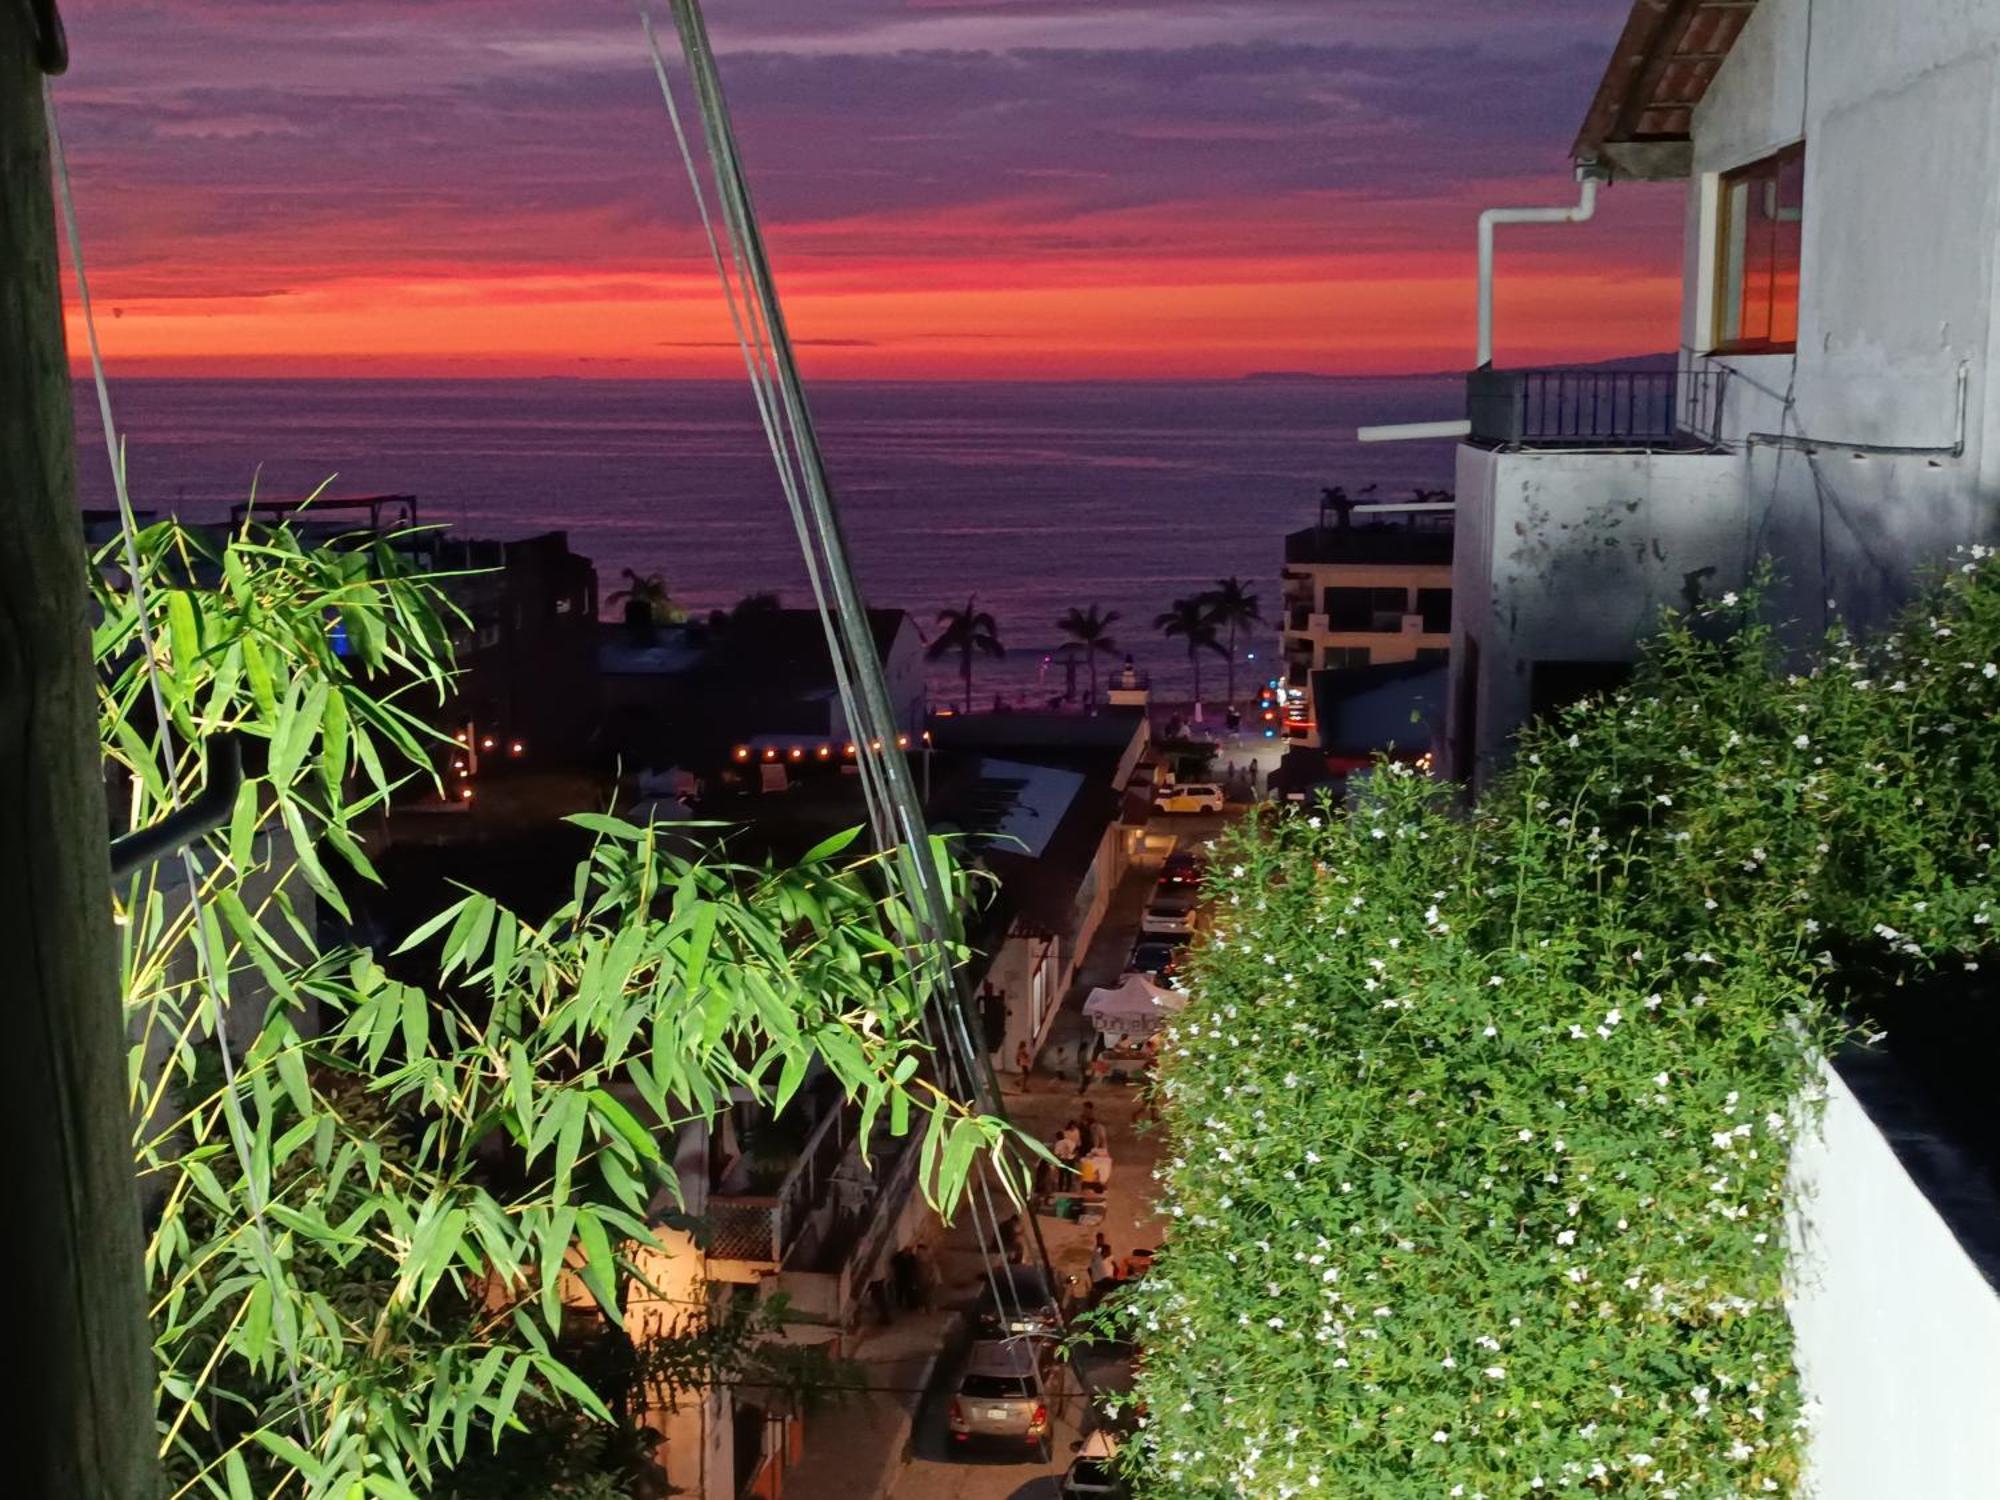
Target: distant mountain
(1661, 361)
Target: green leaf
(298, 723)
(626, 1124)
(604, 823)
(828, 847)
(183, 637)
(243, 821)
(287, 1451)
(308, 856)
(600, 1267)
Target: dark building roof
(1340, 703)
(1375, 542)
(1665, 60)
(1095, 744)
(707, 688)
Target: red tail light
(1039, 1421)
(957, 1416)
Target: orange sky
(1295, 191)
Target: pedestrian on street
(1024, 1062)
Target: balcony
(766, 1230)
(1645, 410)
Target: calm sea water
(1033, 497)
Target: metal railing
(764, 1228)
(1595, 408)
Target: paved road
(938, 1473)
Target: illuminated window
(1757, 254)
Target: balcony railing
(763, 1228)
(1594, 408)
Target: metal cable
(895, 815)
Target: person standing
(1103, 1266)
(1024, 1061)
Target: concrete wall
(1570, 556)
(1898, 1330)
(1899, 107)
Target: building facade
(1368, 586)
(1829, 405)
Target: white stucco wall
(1570, 556)
(1899, 108)
(1898, 1332)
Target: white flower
(1729, 599)
(1799, 742)
(1440, 1436)
(1496, 1372)
(1527, 1135)
(1448, 1363)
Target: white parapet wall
(1898, 1327)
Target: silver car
(1003, 1396)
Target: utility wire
(895, 814)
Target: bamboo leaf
(600, 1267)
(626, 1124)
(828, 847)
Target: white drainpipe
(1588, 175)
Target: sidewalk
(854, 1451)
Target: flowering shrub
(1478, 1125)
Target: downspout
(1588, 176)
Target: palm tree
(647, 603)
(1232, 604)
(1091, 630)
(969, 632)
(1193, 620)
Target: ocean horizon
(1032, 496)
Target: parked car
(1156, 957)
(1028, 1305)
(1170, 914)
(1189, 797)
(1002, 1397)
(1091, 1475)
(1183, 867)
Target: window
(1757, 254)
(1435, 606)
(1433, 656)
(1345, 658)
(1366, 610)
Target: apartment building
(1368, 585)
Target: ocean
(1033, 498)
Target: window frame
(1723, 285)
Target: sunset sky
(950, 188)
